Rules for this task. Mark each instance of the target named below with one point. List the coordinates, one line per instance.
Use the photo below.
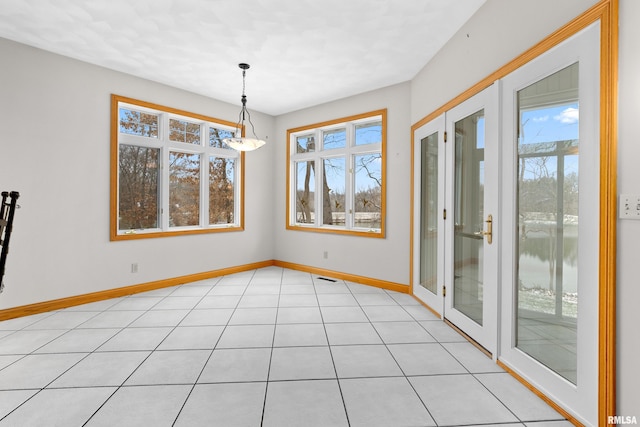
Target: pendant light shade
(238, 142)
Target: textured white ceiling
(301, 52)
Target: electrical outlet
(629, 206)
(325, 254)
(134, 267)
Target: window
(336, 176)
(171, 172)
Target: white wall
(385, 259)
(628, 282)
(498, 32)
(54, 148)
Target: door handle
(489, 232)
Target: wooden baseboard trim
(541, 395)
(62, 303)
(392, 286)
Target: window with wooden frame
(171, 174)
(336, 176)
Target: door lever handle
(489, 232)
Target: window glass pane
(334, 139)
(548, 145)
(184, 189)
(369, 133)
(305, 144)
(217, 135)
(138, 177)
(221, 190)
(368, 191)
(429, 213)
(333, 184)
(183, 131)
(138, 123)
(305, 190)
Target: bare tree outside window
(368, 196)
(221, 190)
(333, 191)
(173, 173)
(336, 175)
(138, 187)
(305, 179)
(184, 189)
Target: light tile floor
(269, 347)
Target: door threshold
(468, 338)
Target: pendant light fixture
(239, 142)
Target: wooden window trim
(290, 225)
(114, 235)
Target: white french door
(470, 227)
(506, 220)
(457, 262)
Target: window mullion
(204, 175)
(318, 174)
(317, 195)
(304, 157)
(238, 173)
(365, 149)
(349, 185)
(164, 184)
(139, 141)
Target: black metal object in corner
(7, 212)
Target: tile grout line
(140, 364)
(254, 275)
(333, 362)
(398, 364)
(150, 309)
(204, 365)
(273, 341)
(32, 353)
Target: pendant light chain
(239, 142)
(244, 83)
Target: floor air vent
(327, 279)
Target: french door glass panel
(468, 216)
(428, 223)
(547, 212)
(429, 213)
